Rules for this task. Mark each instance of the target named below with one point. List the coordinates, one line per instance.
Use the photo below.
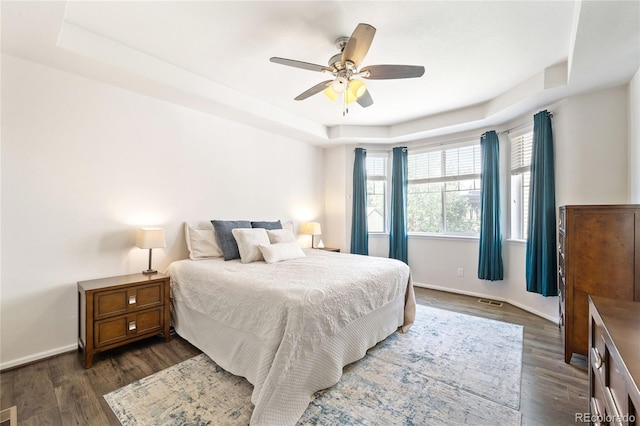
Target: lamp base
(150, 271)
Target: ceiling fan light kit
(344, 68)
(355, 89)
(329, 93)
(339, 85)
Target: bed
(289, 327)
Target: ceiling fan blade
(384, 72)
(365, 100)
(300, 64)
(312, 91)
(358, 44)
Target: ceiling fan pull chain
(345, 111)
(345, 107)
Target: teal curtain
(541, 264)
(490, 265)
(359, 231)
(398, 230)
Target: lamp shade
(311, 228)
(329, 93)
(356, 89)
(150, 238)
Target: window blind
(521, 153)
(445, 165)
(377, 167)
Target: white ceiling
(486, 61)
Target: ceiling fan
(346, 71)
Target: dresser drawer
(125, 327)
(617, 385)
(135, 298)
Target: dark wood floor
(59, 391)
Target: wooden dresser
(614, 361)
(598, 255)
(119, 310)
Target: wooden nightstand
(119, 310)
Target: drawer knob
(132, 325)
(597, 359)
(132, 299)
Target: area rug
(448, 369)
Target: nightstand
(119, 310)
(337, 250)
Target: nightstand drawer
(110, 331)
(118, 302)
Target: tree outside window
(444, 190)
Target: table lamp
(150, 238)
(311, 228)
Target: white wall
(84, 164)
(634, 139)
(591, 147)
(335, 230)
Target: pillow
(281, 236)
(283, 251)
(289, 225)
(267, 225)
(201, 243)
(225, 238)
(248, 241)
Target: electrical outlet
(460, 272)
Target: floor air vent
(490, 302)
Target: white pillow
(201, 243)
(289, 225)
(281, 236)
(248, 240)
(282, 251)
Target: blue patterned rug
(449, 369)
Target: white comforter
(288, 311)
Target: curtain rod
(520, 126)
(459, 140)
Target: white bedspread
(285, 312)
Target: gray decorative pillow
(226, 241)
(267, 225)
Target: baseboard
(474, 294)
(37, 357)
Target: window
(376, 191)
(521, 144)
(444, 190)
